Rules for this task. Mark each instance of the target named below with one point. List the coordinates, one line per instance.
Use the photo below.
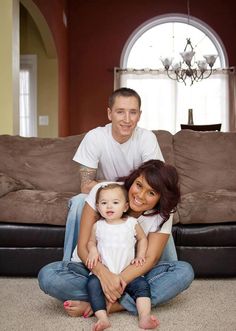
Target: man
(114, 150)
(110, 152)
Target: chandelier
(188, 69)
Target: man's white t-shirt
(148, 223)
(99, 150)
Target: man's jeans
(76, 205)
(139, 287)
(66, 280)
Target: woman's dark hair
(163, 179)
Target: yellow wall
(9, 66)
(47, 74)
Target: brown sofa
(38, 176)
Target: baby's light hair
(111, 186)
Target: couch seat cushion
(33, 206)
(207, 207)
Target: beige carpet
(208, 305)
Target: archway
(36, 38)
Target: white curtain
(165, 102)
(28, 96)
(25, 103)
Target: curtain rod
(149, 70)
(137, 70)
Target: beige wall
(9, 66)
(47, 74)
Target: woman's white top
(116, 243)
(148, 223)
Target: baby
(112, 241)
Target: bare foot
(101, 325)
(78, 308)
(148, 322)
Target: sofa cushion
(206, 207)
(205, 161)
(9, 184)
(34, 206)
(46, 163)
(165, 140)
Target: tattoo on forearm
(87, 175)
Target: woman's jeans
(138, 288)
(67, 280)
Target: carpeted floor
(208, 305)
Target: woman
(153, 194)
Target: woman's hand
(112, 285)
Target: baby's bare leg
(102, 322)
(146, 320)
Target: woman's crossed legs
(67, 281)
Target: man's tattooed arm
(87, 178)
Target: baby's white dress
(116, 243)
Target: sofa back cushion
(165, 140)
(205, 161)
(45, 163)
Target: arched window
(165, 102)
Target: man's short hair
(124, 92)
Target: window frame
(178, 18)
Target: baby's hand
(92, 260)
(139, 261)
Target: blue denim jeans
(66, 280)
(139, 287)
(76, 205)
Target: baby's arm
(142, 244)
(93, 255)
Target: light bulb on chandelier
(186, 69)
